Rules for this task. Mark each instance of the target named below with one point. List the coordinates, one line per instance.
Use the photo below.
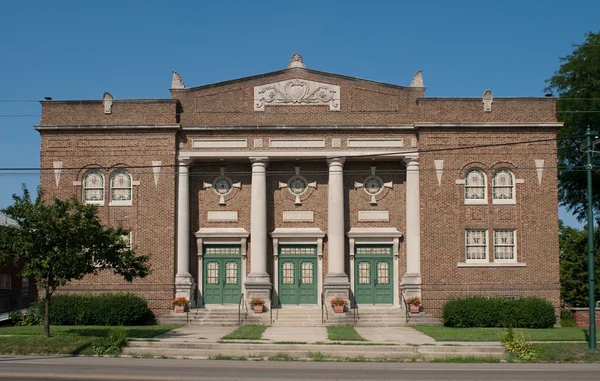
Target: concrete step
(203, 350)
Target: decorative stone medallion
(299, 188)
(297, 92)
(374, 187)
(223, 187)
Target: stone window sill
(476, 201)
(491, 264)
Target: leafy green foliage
(499, 312)
(62, 240)
(112, 343)
(103, 309)
(31, 317)
(517, 344)
(577, 83)
(567, 318)
(574, 266)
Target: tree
(62, 240)
(577, 83)
(574, 266)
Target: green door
(373, 274)
(221, 274)
(297, 274)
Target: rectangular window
(476, 245)
(5, 282)
(504, 246)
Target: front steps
(300, 316)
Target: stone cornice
(489, 124)
(111, 127)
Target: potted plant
(338, 303)
(257, 305)
(180, 304)
(414, 303)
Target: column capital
(411, 159)
(336, 161)
(186, 161)
(259, 160)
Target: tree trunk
(47, 309)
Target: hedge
(103, 309)
(499, 312)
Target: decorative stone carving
(299, 188)
(107, 101)
(296, 61)
(156, 165)
(539, 168)
(336, 143)
(176, 82)
(417, 80)
(58, 165)
(439, 170)
(297, 92)
(488, 99)
(374, 187)
(223, 187)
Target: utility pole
(590, 241)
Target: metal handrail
(356, 313)
(322, 308)
(271, 307)
(405, 305)
(240, 309)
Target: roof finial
(296, 61)
(107, 101)
(417, 80)
(177, 83)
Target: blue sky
(80, 49)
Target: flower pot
(179, 309)
(414, 308)
(258, 309)
(338, 309)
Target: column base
(185, 286)
(411, 285)
(336, 285)
(259, 286)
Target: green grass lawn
(246, 332)
(565, 352)
(343, 333)
(70, 340)
(495, 334)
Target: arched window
(93, 188)
(503, 187)
(475, 190)
(120, 188)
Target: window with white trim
(120, 188)
(93, 188)
(5, 282)
(475, 187)
(476, 245)
(504, 246)
(503, 187)
(126, 238)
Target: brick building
(298, 182)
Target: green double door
(373, 274)
(297, 274)
(221, 274)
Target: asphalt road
(89, 368)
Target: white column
(184, 283)
(258, 284)
(411, 283)
(336, 281)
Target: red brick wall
(151, 218)
(582, 317)
(445, 217)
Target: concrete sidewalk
(379, 335)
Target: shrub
(518, 345)
(567, 319)
(112, 343)
(31, 317)
(499, 312)
(103, 309)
